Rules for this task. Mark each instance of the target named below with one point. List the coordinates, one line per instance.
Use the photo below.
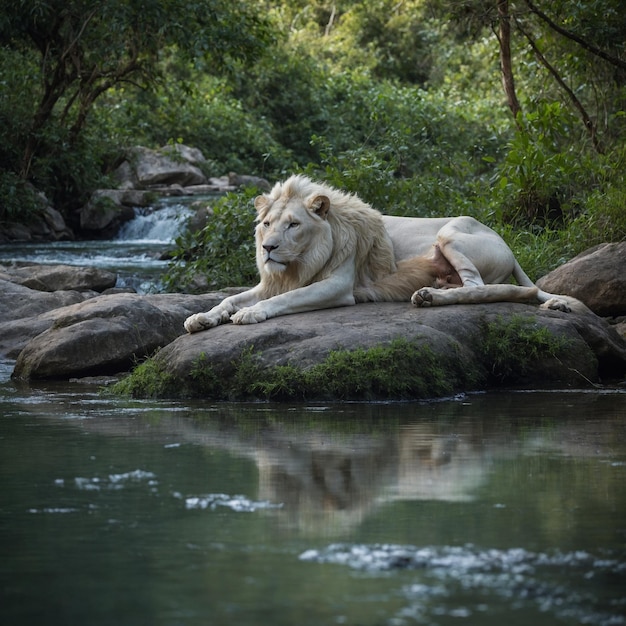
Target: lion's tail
(410, 275)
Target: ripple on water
(114, 481)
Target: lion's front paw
(556, 304)
(422, 297)
(202, 321)
(249, 315)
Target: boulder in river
(58, 278)
(104, 335)
(447, 350)
(109, 333)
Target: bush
(220, 255)
(18, 199)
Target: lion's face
(292, 235)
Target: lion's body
(317, 247)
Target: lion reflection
(328, 486)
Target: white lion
(318, 247)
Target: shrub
(220, 255)
(18, 199)
(513, 346)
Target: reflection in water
(329, 467)
(487, 507)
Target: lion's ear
(320, 205)
(261, 203)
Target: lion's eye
(294, 224)
(266, 224)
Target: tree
(84, 48)
(570, 40)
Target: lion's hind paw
(422, 297)
(556, 304)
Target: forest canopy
(509, 110)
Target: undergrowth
(511, 347)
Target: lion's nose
(269, 247)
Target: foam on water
(236, 503)
(515, 575)
(114, 481)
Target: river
(135, 254)
(486, 509)
(479, 509)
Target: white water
(158, 226)
(135, 254)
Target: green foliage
(399, 370)
(220, 255)
(73, 52)
(514, 345)
(148, 380)
(18, 199)
(400, 102)
(205, 115)
(541, 172)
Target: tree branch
(588, 122)
(573, 37)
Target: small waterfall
(161, 225)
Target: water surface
(486, 509)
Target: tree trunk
(504, 39)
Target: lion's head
(307, 230)
(291, 231)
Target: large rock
(596, 276)
(593, 349)
(59, 277)
(31, 295)
(170, 165)
(105, 210)
(103, 335)
(20, 305)
(45, 224)
(109, 333)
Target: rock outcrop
(103, 335)
(63, 322)
(143, 176)
(591, 350)
(47, 224)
